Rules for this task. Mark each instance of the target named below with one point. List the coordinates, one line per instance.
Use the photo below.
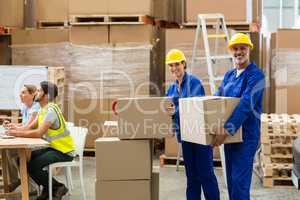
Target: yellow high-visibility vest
(59, 139)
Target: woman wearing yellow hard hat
(198, 159)
(247, 82)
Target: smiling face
(241, 55)
(177, 69)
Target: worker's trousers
(239, 167)
(41, 159)
(198, 161)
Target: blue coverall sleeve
(250, 97)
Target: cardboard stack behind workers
(124, 163)
(199, 116)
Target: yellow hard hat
(175, 56)
(240, 38)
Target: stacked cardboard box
(278, 132)
(12, 13)
(54, 11)
(127, 172)
(186, 11)
(123, 169)
(285, 85)
(112, 7)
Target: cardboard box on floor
(143, 118)
(155, 183)
(199, 115)
(123, 190)
(120, 160)
(171, 146)
(52, 11)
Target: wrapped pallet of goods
(285, 72)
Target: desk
(21, 144)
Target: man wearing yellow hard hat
(198, 159)
(247, 82)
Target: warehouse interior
(102, 55)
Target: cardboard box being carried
(200, 115)
(119, 160)
(123, 190)
(143, 118)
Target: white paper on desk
(13, 78)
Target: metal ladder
(219, 23)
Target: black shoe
(44, 195)
(59, 192)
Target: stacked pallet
(10, 115)
(57, 76)
(278, 131)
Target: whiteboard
(13, 78)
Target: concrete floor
(172, 185)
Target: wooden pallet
(278, 123)
(5, 30)
(277, 149)
(279, 159)
(109, 19)
(10, 115)
(278, 182)
(277, 170)
(279, 129)
(57, 76)
(90, 152)
(170, 160)
(52, 24)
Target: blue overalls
(249, 86)
(198, 159)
